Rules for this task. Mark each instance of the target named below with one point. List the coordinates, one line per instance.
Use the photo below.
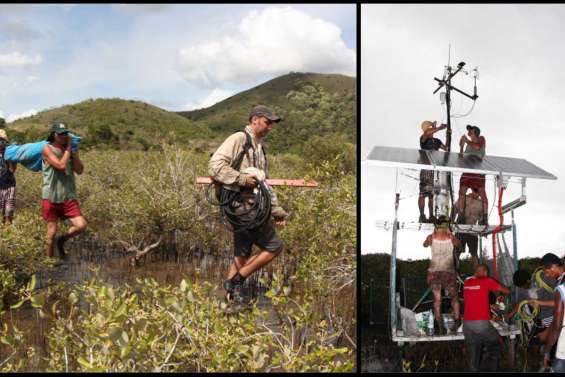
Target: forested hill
(318, 111)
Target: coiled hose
(230, 203)
(524, 315)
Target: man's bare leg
(258, 261)
(50, 238)
(236, 265)
(78, 225)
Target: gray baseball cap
(59, 128)
(264, 111)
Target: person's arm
(12, 167)
(51, 159)
(548, 303)
(78, 166)
(554, 328)
(513, 312)
(219, 166)
(428, 241)
(476, 144)
(496, 287)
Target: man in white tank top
(441, 273)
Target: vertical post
(404, 290)
(514, 250)
(448, 106)
(393, 319)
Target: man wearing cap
(7, 182)
(475, 145)
(430, 143)
(441, 273)
(59, 199)
(226, 167)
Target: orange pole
(270, 182)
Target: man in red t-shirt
(477, 329)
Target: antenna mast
(446, 81)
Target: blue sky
(175, 56)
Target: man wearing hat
(475, 145)
(239, 152)
(59, 199)
(7, 182)
(430, 143)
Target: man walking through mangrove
(230, 166)
(7, 182)
(59, 199)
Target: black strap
(236, 164)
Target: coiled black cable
(236, 218)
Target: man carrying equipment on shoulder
(238, 153)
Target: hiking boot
(422, 218)
(432, 219)
(438, 328)
(59, 243)
(237, 294)
(484, 220)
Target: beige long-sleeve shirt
(219, 166)
(220, 169)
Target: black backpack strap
(236, 164)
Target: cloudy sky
(520, 54)
(178, 57)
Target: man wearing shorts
(59, 200)
(7, 182)
(475, 145)
(430, 143)
(477, 329)
(226, 167)
(441, 273)
(473, 213)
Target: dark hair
(51, 137)
(521, 277)
(550, 259)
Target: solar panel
(455, 162)
(401, 157)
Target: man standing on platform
(477, 329)
(474, 145)
(430, 143)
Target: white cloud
(273, 41)
(17, 59)
(214, 97)
(13, 117)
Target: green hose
(539, 280)
(525, 316)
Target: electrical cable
(231, 202)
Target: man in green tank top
(59, 200)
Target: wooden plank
(270, 182)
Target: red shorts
(470, 180)
(442, 279)
(56, 211)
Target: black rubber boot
(59, 243)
